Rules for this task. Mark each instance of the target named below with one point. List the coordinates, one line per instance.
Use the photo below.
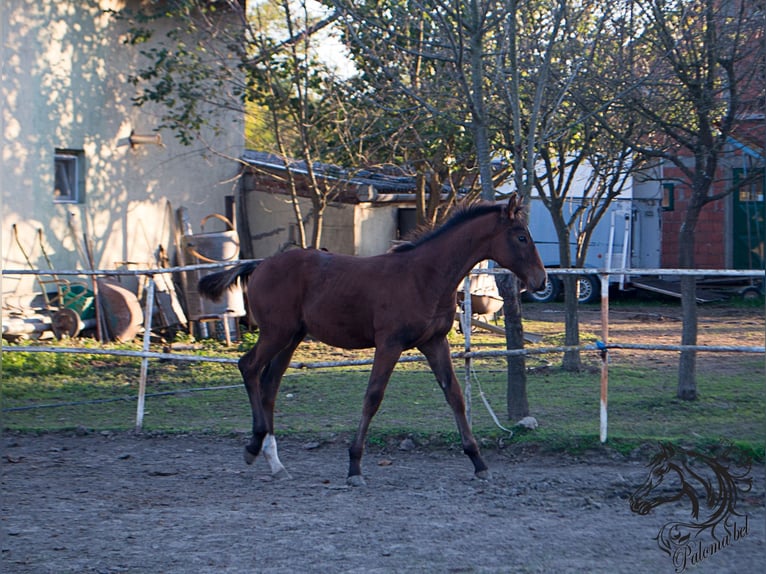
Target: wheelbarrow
(72, 309)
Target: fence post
(466, 319)
(148, 311)
(604, 354)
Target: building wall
(353, 229)
(273, 229)
(349, 226)
(65, 86)
(715, 231)
(711, 235)
(375, 227)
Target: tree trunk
(508, 285)
(516, 393)
(571, 361)
(687, 369)
(316, 238)
(295, 202)
(687, 376)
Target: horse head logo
(709, 485)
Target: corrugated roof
(383, 182)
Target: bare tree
(459, 42)
(549, 51)
(510, 66)
(692, 71)
(408, 71)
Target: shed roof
(381, 179)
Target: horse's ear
(513, 205)
(667, 449)
(515, 209)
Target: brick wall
(711, 242)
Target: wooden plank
(673, 289)
(528, 337)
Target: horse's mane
(459, 215)
(720, 491)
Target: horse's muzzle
(538, 284)
(640, 506)
(527, 285)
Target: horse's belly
(340, 337)
(345, 326)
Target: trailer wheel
(547, 294)
(588, 289)
(751, 293)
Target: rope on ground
(487, 405)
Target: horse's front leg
(383, 366)
(437, 352)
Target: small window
(68, 177)
(668, 197)
(751, 190)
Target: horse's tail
(213, 286)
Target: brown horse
(400, 300)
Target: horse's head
(514, 249)
(662, 472)
(670, 479)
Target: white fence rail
(467, 354)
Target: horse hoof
(281, 474)
(249, 457)
(356, 480)
(483, 475)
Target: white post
(604, 353)
(145, 360)
(466, 320)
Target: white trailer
(627, 236)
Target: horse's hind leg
(252, 366)
(272, 457)
(438, 354)
(270, 380)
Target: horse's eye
(522, 238)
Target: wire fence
(468, 355)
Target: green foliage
(42, 363)
(249, 340)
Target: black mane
(461, 215)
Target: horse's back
(282, 278)
(310, 269)
(331, 296)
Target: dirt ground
(106, 503)
(112, 503)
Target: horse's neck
(457, 251)
(713, 491)
(707, 484)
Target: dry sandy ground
(180, 504)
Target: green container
(79, 299)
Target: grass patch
(642, 403)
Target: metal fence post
(148, 311)
(604, 354)
(466, 320)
